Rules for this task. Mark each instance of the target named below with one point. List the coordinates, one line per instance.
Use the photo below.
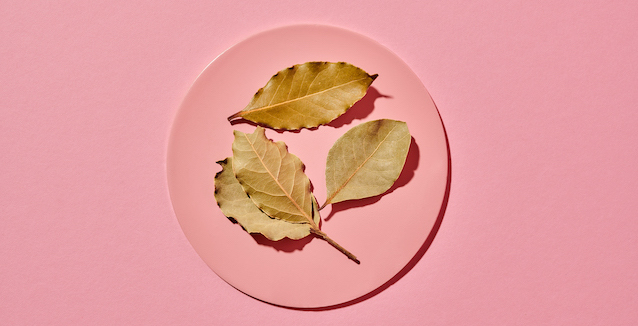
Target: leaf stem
(324, 236)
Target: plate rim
(445, 194)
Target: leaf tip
(236, 115)
(237, 134)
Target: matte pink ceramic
(384, 232)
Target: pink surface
(538, 100)
(384, 232)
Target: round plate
(384, 232)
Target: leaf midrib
(357, 169)
(312, 223)
(241, 113)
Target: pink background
(539, 103)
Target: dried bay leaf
(272, 177)
(236, 205)
(307, 95)
(274, 181)
(366, 160)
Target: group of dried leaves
(263, 187)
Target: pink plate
(385, 232)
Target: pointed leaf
(272, 177)
(238, 207)
(307, 95)
(366, 160)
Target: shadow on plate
(359, 110)
(285, 244)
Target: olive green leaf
(366, 160)
(274, 180)
(307, 95)
(238, 207)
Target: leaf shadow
(242, 120)
(359, 110)
(411, 164)
(254, 124)
(415, 259)
(285, 244)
